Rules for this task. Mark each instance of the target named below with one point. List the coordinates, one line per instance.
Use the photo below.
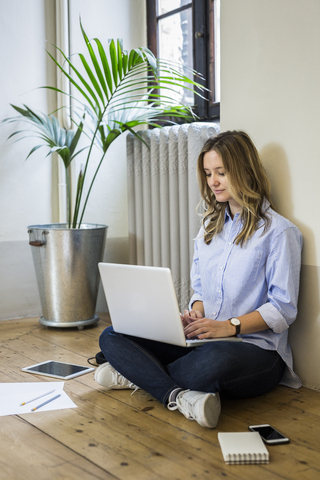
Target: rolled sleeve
(195, 277)
(283, 277)
(273, 318)
(195, 298)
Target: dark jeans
(237, 369)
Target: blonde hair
(248, 185)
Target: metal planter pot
(66, 263)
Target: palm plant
(117, 92)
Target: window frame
(203, 50)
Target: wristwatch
(236, 323)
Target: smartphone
(269, 435)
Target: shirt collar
(227, 215)
(265, 205)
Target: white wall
(29, 190)
(25, 187)
(24, 28)
(270, 77)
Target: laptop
(142, 302)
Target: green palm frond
(48, 130)
(118, 91)
(117, 74)
(51, 135)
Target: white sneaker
(203, 407)
(109, 378)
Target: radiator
(163, 196)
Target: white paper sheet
(13, 394)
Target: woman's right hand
(189, 315)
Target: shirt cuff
(195, 298)
(273, 318)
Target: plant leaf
(114, 63)
(105, 64)
(120, 65)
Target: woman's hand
(208, 328)
(196, 325)
(189, 316)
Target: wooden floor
(116, 435)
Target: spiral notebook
(243, 448)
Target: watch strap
(237, 326)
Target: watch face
(235, 321)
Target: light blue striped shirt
(262, 275)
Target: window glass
(214, 50)
(165, 6)
(175, 45)
(187, 33)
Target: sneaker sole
(210, 411)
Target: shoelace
(185, 405)
(121, 380)
(173, 405)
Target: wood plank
(113, 434)
(26, 456)
(15, 328)
(152, 449)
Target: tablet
(51, 368)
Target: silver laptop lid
(142, 302)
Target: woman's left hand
(208, 328)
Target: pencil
(37, 398)
(45, 403)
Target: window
(188, 32)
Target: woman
(245, 276)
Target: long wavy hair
(247, 181)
